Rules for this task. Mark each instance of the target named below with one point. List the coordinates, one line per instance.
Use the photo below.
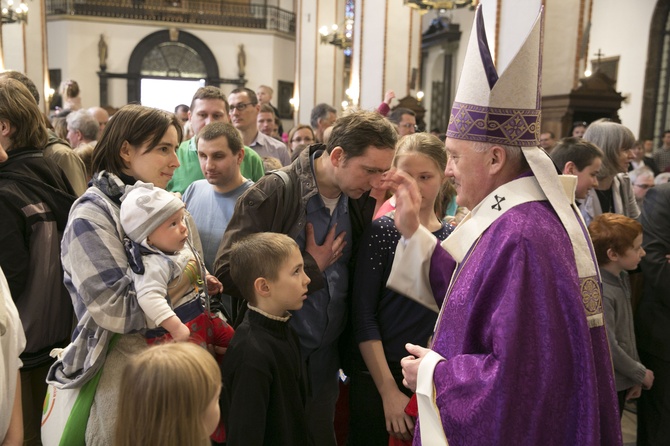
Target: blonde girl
(169, 396)
(384, 321)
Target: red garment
(412, 409)
(206, 329)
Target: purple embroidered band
(514, 127)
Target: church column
(386, 51)
(318, 66)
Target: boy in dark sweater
(617, 242)
(264, 389)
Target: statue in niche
(241, 61)
(102, 52)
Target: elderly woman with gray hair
(614, 192)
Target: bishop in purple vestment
(520, 354)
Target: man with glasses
(244, 109)
(208, 105)
(404, 119)
(642, 180)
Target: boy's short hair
(209, 92)
(259, 255)
(251, 94)
(613, 231)
(215, 130)
(265, 108)
(578, 150)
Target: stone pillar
(386, 51)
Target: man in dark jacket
(323, 203)
(56, 149)
(652, 320)
(35, 198)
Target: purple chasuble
(522, 366)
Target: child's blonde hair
(164, 393)
(430, 146)
(259, 255)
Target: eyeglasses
(240, 107)
(304, 140)
(644, 186)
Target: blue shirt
(211, 212)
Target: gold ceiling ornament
(338, 35)
(12, 13)
(426, 5)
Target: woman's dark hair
(136, 124)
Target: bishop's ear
(497, 158)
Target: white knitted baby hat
(144, 208)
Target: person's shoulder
(270, 141)
(251, 154)
(385, 223)
(184, 145)
(277, 144)
(92, 205)
(58, 149)
(243, 187)
(197, 187)
(250, 346)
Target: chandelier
(338, 35)
(425, 5)
(11, 14)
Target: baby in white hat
(155, 220)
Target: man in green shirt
(208, 105)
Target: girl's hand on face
(408, 200)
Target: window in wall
(166, 94)
(662, 112)
(173, 59)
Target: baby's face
(172, 234)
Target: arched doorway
(173, 55)
(656, 101)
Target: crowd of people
(232, 283)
